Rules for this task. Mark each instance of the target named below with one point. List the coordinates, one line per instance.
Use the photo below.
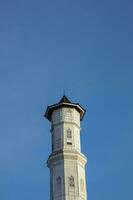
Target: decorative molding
(66, 155)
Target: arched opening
(69, 136)
(82, 184)
(58, 183)
(71, 181)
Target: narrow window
(68, 115)
(57, 139)
(71, 181)
(82, 184)
(69, 136)
(58, 182)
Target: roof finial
(64, 92)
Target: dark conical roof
(64, 99)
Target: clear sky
(86, 48)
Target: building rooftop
(64, 102)
(64, 99)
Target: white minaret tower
(66, 162)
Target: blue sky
(84, 47)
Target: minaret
(66, 162)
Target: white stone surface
(66, 162)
